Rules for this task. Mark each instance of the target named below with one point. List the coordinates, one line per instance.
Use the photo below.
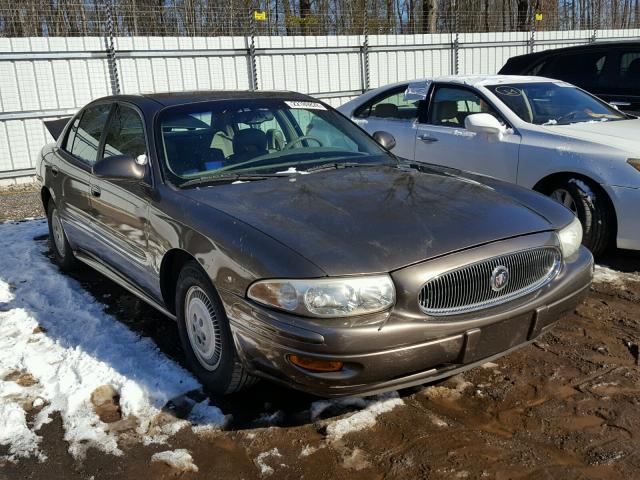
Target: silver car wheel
(58, 232)
(564, 197)
(203, 328)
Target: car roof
(165, 99)
(530, 57)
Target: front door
(72, 174)
(390, 112)
(442, 138)
(120, 207)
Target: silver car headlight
(326, 297)
(570, 238)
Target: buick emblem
(499, 278)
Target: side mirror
(483, 123)
(385, 139)
(121, 167)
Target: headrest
(275, 139)
(249, 140)
(385, 110)
(634, 68)
(447, 109)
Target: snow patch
(207, 417)
(439, 392)
(260, 461)
(367, 418)
(78, 348)
(604, 274)
(179, 459)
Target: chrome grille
(469, 288)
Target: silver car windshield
(554, 103)
(259, 137)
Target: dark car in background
(288, 244)
(610, 70)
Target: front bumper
(397, 349)
(626, 201)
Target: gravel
(18, 202)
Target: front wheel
(205, 334)
(58, 242)
(589, 204)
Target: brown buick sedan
(290, 245)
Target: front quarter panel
(544, 153)
(233, 253)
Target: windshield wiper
(339, 165)
(235, 177)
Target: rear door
(121, 206)
(443, 139)
(625, 80)
(585, 69)
(72, 173)
(390, 112)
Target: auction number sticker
(305, 105)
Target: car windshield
(554, 103)
(260, 137)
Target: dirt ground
(565, 407)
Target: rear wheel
(591, 207)
(205, 334)
(58, 242)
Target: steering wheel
(569, 115)
(302, 138)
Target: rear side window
(68, 144)
(581, 69)
(86, 138)
(630, 68)
(390, 106)
(125, 135)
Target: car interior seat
(191, 152)
(633, 70)
(275, 140)
(385, 110)
(445, 112)
(248, 143)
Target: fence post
(532, 38)
(110, 49)
(253, 67)
(456, 41)
(596, 24)
(365, 78)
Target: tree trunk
(523, 7)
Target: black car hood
(373, 219)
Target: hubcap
(203, 328)
(564, 197)
(58, 232)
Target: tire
(590, 205)
(62, 251)
(205, 335)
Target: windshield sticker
(509, 91)
(417, 91)
(305, 105)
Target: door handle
(427, 138)
(95, 191)
(54, 171)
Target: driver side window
(125, 135)
(391, 106)
(450, 106)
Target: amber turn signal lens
(316, 365)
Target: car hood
(373, 219)
(622, 134)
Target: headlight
(634, 162)
(570, 238)
(326, 297)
